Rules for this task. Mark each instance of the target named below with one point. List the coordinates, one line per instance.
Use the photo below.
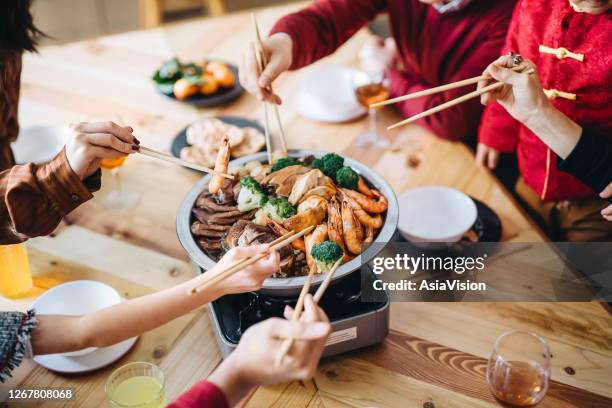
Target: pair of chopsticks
(240, 264)
(262, 61)
(163, 156)
(444, 88)
(297, 312)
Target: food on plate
(266, 201)
(187, 79)
(205, 136)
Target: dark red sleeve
(461, 121)
(319, 29)
(498, 129)
(203, 394)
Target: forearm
(57, 334)
(231, 381)
(556, 130)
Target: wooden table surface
(435, 354)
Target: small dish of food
(200, 142)
(204, 84)
(435, 214)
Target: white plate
(79, 298)
(435, 214)
(39, 144)
(326, 95)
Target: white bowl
(39, 144)
(435, 214)
(77, 298)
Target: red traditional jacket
(573, 53)
(434, 49)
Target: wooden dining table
(435, 354)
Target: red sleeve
(498, 129)
(461, 121)
(319, 29)
(203, 394)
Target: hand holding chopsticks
(238, 265)
(297, 311)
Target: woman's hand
(278, 50)
(607, 193)
(253, 363)
(89, 143)
(522, 95)
(487, 156)
(249, 279)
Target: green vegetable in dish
(326, 254)
(329, 164)
(278, 209)
(285, 162)
(171, 70)
(347, 177)
(251, 195)
(192, 70)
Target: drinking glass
(136, 385)
(519, 368)
(15, 275)
(370, 88)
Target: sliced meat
(251, 232)
(206, 202)
(209, 218)
(231, 240)
(277, 177)
(209, 245)
(211, 231)
(303, 184)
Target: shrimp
(353, 234)
(334, 224)
(371, 205)
(221, 164)
(364, 218)
(364, 189)
(318, 235)
(312, 216)
(369, 235)
(280, 230)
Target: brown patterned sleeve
(34, 199)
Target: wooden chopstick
(147, 151)
(297, 312)
(237, 266)
(437, 89)
(453, 102)
(262, 61)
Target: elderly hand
(278, 50)
(522, 95)
(250, 278)
(90, 143)
(253, 362)
(607, 193)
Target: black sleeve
(590, 161)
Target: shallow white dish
(435, 214)
(326, 95)
(79, 298)
(39, 144)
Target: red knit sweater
(203, 394)
(554, 23)
(434, 48)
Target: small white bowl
(39, 144)
(435, 214)
(77, 298)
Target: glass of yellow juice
(15, 275)
(136, 385)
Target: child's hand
(487, 156)
(251, 278)
(607, 193)
(89, 143)
(253, 363)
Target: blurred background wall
(72, 20)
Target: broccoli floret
(278, 209)
(329, 164)
(251, 195)
(285, 162)
(347, 177)
(325, 254)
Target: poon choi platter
(264, 202)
